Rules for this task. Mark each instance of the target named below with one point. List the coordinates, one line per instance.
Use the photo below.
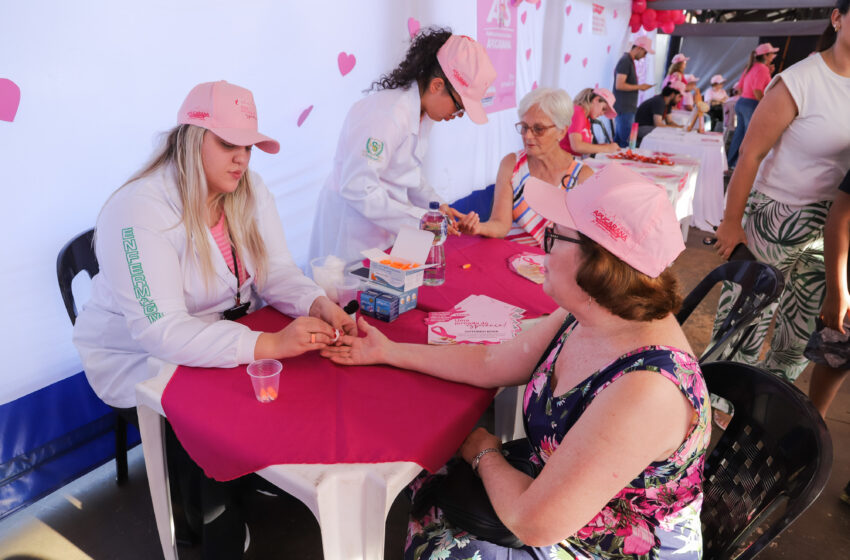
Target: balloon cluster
(664, 20)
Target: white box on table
(410, 248)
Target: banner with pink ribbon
(497, 31)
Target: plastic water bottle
(436, 223)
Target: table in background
(352, 499)
(709, 149)
(679, 180)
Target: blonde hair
(677, 67)
(182, 149)
(584, 98)
(555, 103)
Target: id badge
(236, 312)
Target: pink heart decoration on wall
(527, 54)
(615, 14)
(10, 98)
(523, 17)
(534, 85)
(538, 4)
(569, 9)
(303, 116)
(579, 28)
(567, 58)
(609, 48)
(596, 85)
(584, 62)
(345, 62)
(412, 26)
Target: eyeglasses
(458, 107)
(549, 237)
(537, 129)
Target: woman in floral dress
(616, 412)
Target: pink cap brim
(475, 109)
(549, 201)
(242, 137)
(610, 113)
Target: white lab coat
(377, 185)
(149, 299)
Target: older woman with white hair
(545, 115)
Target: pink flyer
(497, 31)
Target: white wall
(100, 79)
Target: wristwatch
(477, 458)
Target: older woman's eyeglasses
(549, 237)
(537, 129)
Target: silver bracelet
(477, 458)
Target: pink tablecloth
(488, 274)
(333, 414)
(324, 413)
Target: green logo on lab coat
(374, 149)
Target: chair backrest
(77, 255)
(605, 136)
(761, 284)
(770, 464)
(480, 201)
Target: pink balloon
(668, 27)
(638, 6)
(649, 19)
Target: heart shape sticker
(303, 116)
(567, 58)
(345, 62)
(10, 99)
(412, 26)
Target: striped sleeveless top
(528, 225)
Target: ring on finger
(312, 338)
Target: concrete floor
(93, 518)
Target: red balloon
(638, 6)
(679, 17)
(634, 26)
(662, 16)
(634, 20)
(648, 18)
(668, 27)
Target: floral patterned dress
(656, 516)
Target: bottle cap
(434, 205)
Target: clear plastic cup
(265, 376)
(347, 288)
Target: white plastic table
(350, 501)
(710, 151)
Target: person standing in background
(795, 154)
(752, 86)
(626, 88)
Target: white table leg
(152, 428)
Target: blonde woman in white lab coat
(170, 243)
(377, 185)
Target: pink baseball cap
(679, 57)
(228, 111)
(765, 48)
(645, 43)
(717, 79)
(467, 66)
(691, 78)
(621, 210)
(677, 85)
(609, 98)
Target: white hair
(555, 103)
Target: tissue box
(407, 300)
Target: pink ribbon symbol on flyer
(440, 331)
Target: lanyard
(236, 272)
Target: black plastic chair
(770, 464)
(605, 136)
(76, 256)
(761, 284)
